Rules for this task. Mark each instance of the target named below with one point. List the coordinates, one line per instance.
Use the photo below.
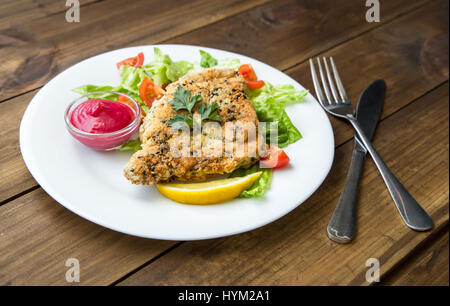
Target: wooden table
(408, 48)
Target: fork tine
(342, 92)
(324, 82)
(330, 80)
(319, 92)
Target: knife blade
(341, 227)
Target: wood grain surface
(408, 48)
(295, 249)
(429, 265)
(40, 235)
(16, 12)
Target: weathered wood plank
(17, 12)
(14, 175)
(37, 236)
(37, 50)
(427, 268)
(296, 250)
(408, 75)
(286, 32)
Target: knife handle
(342, 225)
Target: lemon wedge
(208, 192)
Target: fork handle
(412, 213)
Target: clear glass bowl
(106, 141)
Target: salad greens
(177, 69)
(229, 63)
(131, 145)
(131, 78)
(207, 60)
(269, 101)
(260, 186)
(163, 70)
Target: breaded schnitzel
(155, 163)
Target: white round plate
(91, 183)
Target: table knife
(342, 226)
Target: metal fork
(337, 104)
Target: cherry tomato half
(149, 92)
(136, 61)
(255, 84)
(247, 72)
(275, 158)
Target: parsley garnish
(183, 101)
(180, 120)
(207, 112)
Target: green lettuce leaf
(270, 103)
(158, 67)
(260, 186)
(131, 145)
(85, 89)
(163, 70)
(289, 133)
(160, 57)
(177, 69)
(206, 60)
(229, 63)
(131, 78)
